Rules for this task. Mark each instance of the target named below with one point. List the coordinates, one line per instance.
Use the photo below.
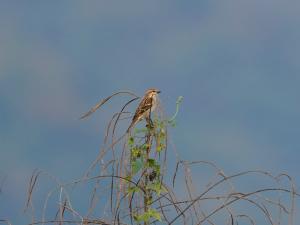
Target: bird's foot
(150, 126)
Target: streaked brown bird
(146, 106)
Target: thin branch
(102, 102)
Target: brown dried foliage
(182, 203)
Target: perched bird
(145, 107)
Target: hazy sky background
(235, 62)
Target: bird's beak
(158, 92)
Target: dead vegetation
(132, 181)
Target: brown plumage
(145, 107)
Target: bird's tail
(133, 123)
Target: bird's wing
(144, 106)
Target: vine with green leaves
(146, 147)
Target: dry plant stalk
(130, 183)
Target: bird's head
(152, 91)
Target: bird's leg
(149, 121)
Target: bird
(146, 106)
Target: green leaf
(140, 130)
(145, 146)
(157, 187)
(135, 152)
(162, 134)
(151, 162)
(130, 141)
(153, 213)
(145, 217)
(128, 178)
(160, 148)
(133, 189)
(136, 166)
(157, 168)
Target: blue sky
(235, 62)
